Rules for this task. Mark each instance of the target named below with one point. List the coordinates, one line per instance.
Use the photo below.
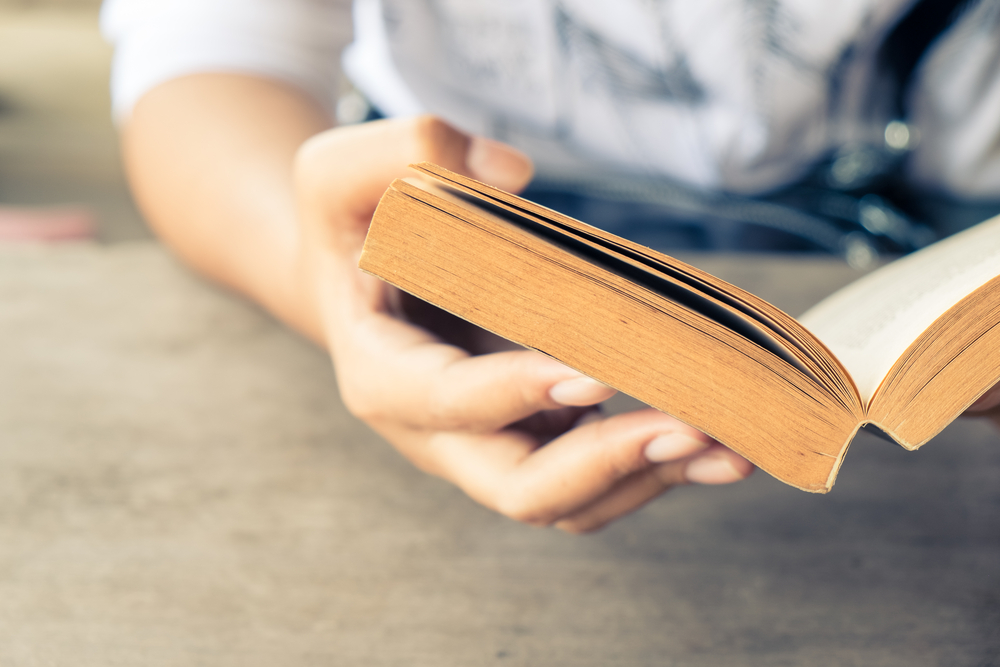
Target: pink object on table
(45, 225)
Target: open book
(907, 348)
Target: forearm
(209, 158)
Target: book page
(870, 323)
(738, 310)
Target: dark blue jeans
(881, 216)
(854, 204)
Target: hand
(987, 405)
(514, 429)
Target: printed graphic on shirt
(721, 93)
(618, 70)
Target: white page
(871, 322)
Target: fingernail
(580, 391)
(715, 467)
(498, 164)
(672, 446)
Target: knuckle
(359, 408)
(444, 409)
(427, 129)
(669, 475)
(358, 402)
(437, 141)
(580, 526)
(309, 151)
(310, 158)
(629, 461)
(531, 394)
(620, 456)
(520, 508)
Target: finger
(986, 404)
(340, 176)
(488, 392)
(629, 495)
(549, 424)
(542, 485)
(498, 164)
(716, 465)
(392, 370)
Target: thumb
(498, 164)
(343, 172)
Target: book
(906, 348)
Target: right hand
(987, 405)
(504, 426)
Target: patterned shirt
(737, 95)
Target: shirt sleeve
(297, 41)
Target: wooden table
(179, 485)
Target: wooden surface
(179, 485)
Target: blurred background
(57, 143)
(58, 146)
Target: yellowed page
(870, 323)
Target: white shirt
(720, 94)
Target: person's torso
(725, 94)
